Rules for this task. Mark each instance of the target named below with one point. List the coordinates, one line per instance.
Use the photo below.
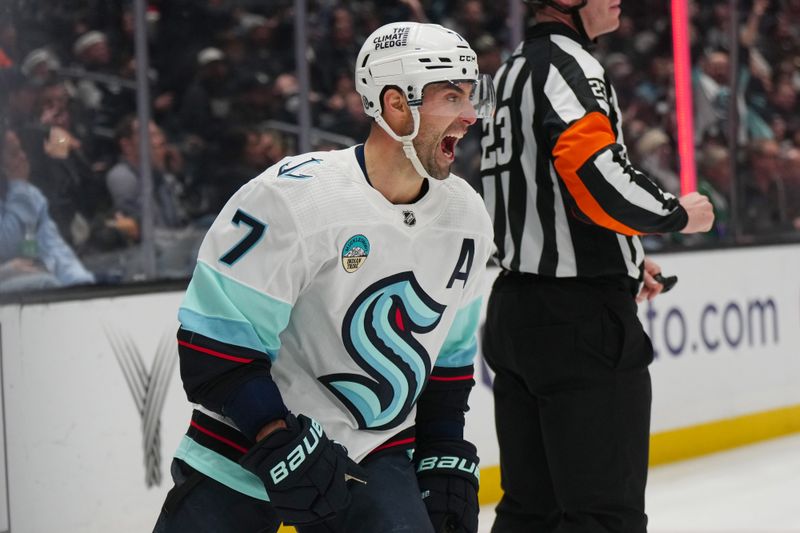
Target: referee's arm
(595, 168)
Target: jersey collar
(425, 209)
(362, 162)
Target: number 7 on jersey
(257, 229)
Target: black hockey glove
(447, 471)
(304, 472)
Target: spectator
(765, 208)
(32, 253)
(264, 40)
(62, 170)
(93, 54)
(345, 113)
(243, 154)
(197, 96)
(490, 54)
(18, 96)
(714, 181)
(469, 20)
(658, 159)
(125, 183)
(783, 102)
(337, 51)
(40, 65)
(251, 104)
(712, 93)
(207, 101)
(175, 242)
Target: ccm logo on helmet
(398, 37)
(298, 455)
(466, 58)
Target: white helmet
(409, 56)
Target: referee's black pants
(572, 404)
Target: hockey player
(329, 326)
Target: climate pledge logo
(149, 390)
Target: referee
(572, 386)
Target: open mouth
(449, 147)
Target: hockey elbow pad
(447, 472)
(304, 472)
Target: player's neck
(390, 171)
(551, 15)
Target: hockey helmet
(408, 56)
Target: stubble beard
(429, 149)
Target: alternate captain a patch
(355, 252)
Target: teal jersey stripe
(461, 344)
(223, 309)
(459, 358)
(220, 468)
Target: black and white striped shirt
(563, 196)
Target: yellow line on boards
(490, 491)
(702, 439)
(693, 441)
(684, 443)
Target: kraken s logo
(378, 334)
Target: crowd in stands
(766, 181)
(225, 99)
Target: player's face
(445, 115)
(601, 16)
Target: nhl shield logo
(408, 218)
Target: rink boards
(93, 407)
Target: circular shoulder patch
(355, 252)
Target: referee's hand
(650, 287)
(700, 211)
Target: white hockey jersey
(353, 299)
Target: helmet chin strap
(407, 141)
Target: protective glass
(483, 97)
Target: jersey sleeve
(589, 157)
(444, 401)
(251, 267)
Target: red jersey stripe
(218, 437)
(452, 378)
(214, 353)
(393, 444)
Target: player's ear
(396, 112)
(394, 100)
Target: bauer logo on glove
(305, 473)
(298, 455)
(448, 462)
